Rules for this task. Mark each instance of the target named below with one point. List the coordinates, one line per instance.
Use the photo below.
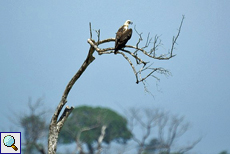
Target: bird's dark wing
(119, 34)
(126, 36)
(122, 39)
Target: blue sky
(43, 43)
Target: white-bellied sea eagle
(122, 36)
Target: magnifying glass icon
(9, 141)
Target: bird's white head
(128, 22)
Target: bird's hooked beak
(128, 22)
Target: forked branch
(56, 122)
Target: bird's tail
(115, 52)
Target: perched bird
(122, 36)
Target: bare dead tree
(57, 123)
(174, 127)
(58, 119)
(189, 147)
(34, 126)
(146, 120)
(160, 125)
(170, 129)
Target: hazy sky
(43, 44)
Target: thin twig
(175, 38)
(131, 64)
(90, 30)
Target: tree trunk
(56, 124)
(90, 148)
